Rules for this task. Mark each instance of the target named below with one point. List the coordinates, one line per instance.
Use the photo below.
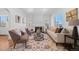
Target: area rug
(45, 45)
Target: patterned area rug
(45, 45)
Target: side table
(74, 38)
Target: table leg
(75, 43)
(64, 41)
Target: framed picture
(17, 19)
(72, 15)
(3, 21)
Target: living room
(30, 20)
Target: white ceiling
(41, 10)
(38, 11)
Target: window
(59, 20)
(3, 20)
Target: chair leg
(14, 44)
(25, 45)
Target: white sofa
(59, 37)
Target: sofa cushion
(52, 29)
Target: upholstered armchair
(17, 38)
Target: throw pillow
(58, 30)
(18, 31)
(64, 31)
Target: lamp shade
(74, 23)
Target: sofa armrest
(60, 38)
(61, 34)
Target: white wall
(37, 20)
(4, 12)
(11, 13)
(63, 13)
(16, 12)
(34, 19)
(65, 23)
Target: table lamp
(74, 23)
